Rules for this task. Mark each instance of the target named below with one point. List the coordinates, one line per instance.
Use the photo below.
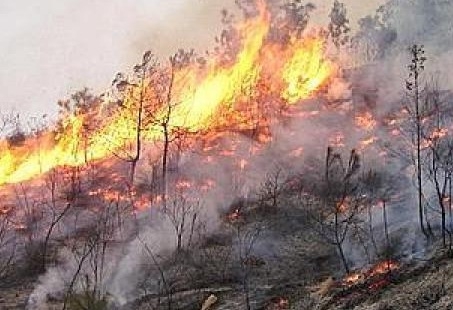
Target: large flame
(295, 70)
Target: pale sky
(50, 48)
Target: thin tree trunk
(338, 243)
(165, 160)
(444, 227)
(418, 121)
(387, 236)
(371, 228)
(343, 258)
(450, 220)
(386, 230)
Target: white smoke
(425, 22)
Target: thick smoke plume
(373, 82)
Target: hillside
(291, 166)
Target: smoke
(53, 49)
(390, 32)
(324, 123)
(405, 23)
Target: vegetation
(272, 231)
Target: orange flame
(293, 72)
(381, 268)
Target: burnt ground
(300, 275)
(421, 285)
(290, 269)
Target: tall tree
(413, 87)
(439, 148)
(136, 100)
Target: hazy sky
(49, 48)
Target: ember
(254, 169)
(278, 303)
(234, 216)
(381, 268)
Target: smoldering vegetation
(314, 210)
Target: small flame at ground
(381, 268)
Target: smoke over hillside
(279, 113)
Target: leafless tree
(7, 243)
(414, 109)
(55, 209)
(183, 214)
(167, 129)
(272, 188)
(411, 126)
(90, 249)
(165, 287)
(379, 187)
(335, 201)
(173, 133)
(28, 219)
(137, 101)
(439, 144)
(246, 237)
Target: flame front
(292, 71)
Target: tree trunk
(339, 244)
(343, 258)
(450, 215)
(165, 160)
(133, 168)
(387, 236)
(419, 163)
(416, 70)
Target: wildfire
(242, 164)
(381, 268)
(366, 121)
(367, 142)
(202, 98)
(278, 303)
(297, 152)
(306, 71)
(234, 216)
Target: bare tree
(413, 86)
(246, 237)
(137, 101)
(56, 212)
(336, 201)
(27, 221)
(379, 188)
(165, 287)
(173, 133)
(165, 124)
(439, 144)
(273, 188)
(7, 243)
(183, 214)
(86, 287)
